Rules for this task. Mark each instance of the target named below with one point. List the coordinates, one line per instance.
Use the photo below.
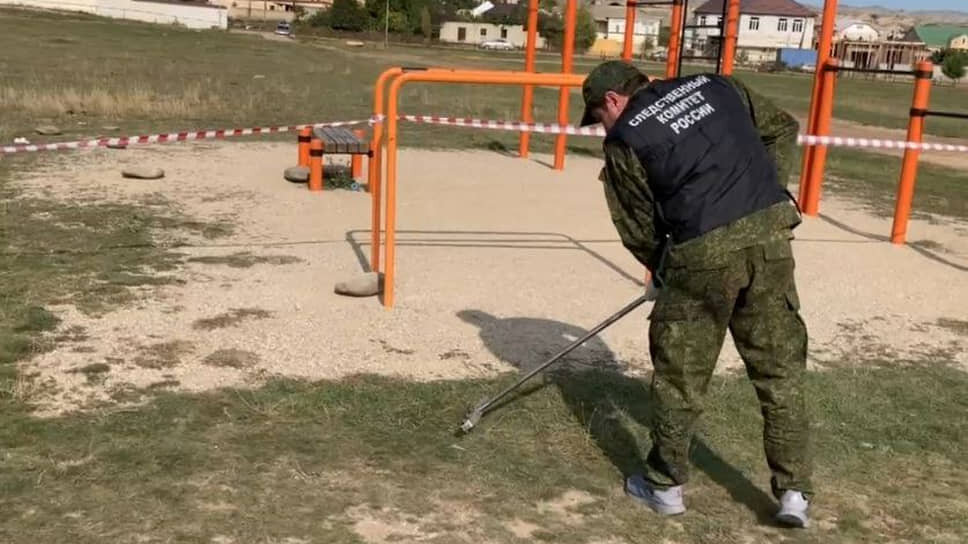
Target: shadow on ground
(612, 408)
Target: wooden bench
(343, 141)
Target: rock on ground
(143, 172)
(48, 130)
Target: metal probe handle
(621, 313)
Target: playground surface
(175, 367)
(491, 248)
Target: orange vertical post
(316, 165)
(823, 53)
(305, 135)
(730, 37)
(629, 44)
(567, 57)
(824, 116)
(356, 161)
(909, 168)
(374, 169)
(676, 22)
(527, 111)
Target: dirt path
(501, 261)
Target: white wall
(767, 35)
(648, 28)
(189, 15)
(516, 35)
(859, 32)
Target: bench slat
(341, 140)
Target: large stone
(48, 130)
(143, 172)
(297, 174)
(364, 285)
(112, 128)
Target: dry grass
(231, 358)
(163, 354)
(231, 319)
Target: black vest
(705, 161)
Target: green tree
(647, 46)
(954, 66)
(586, 32)
(399, 22)
(552, 28)
(426, 23)
(320, 18)
(348, 15)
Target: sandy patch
(500, 263)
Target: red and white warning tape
(166, 138)
(545, 128)
(597, 130)
(837, 141)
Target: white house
(764, 27)
(480, 32)
(610, 25)
(855, 31)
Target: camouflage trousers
(752, 293)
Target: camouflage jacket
(630, 200)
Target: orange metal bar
(375, 167)
(813, 117)
(567, 58)
(730, 36)
(316, 165)
(305, 136)
(825, 114)
(356, 161)
(441, 76)
(527, 111)
(909, 168)
(628, 44)
(675, 45)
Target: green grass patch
(90, 254)
(323, 462)
(872, 179)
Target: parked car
(284, 29)
(499, 45)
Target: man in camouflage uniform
(695, 178)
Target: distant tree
(547, 5)
(664, 33)
(954, 67)
(586, 32)
(348, 15)
(320, 18)
(552, 28)
(426, 23)
(647, 46)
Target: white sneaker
(793, 509)
(667, 502)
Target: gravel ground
(504, 262)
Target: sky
(909, 5)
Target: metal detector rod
(619, 315)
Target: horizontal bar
(950, 114)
